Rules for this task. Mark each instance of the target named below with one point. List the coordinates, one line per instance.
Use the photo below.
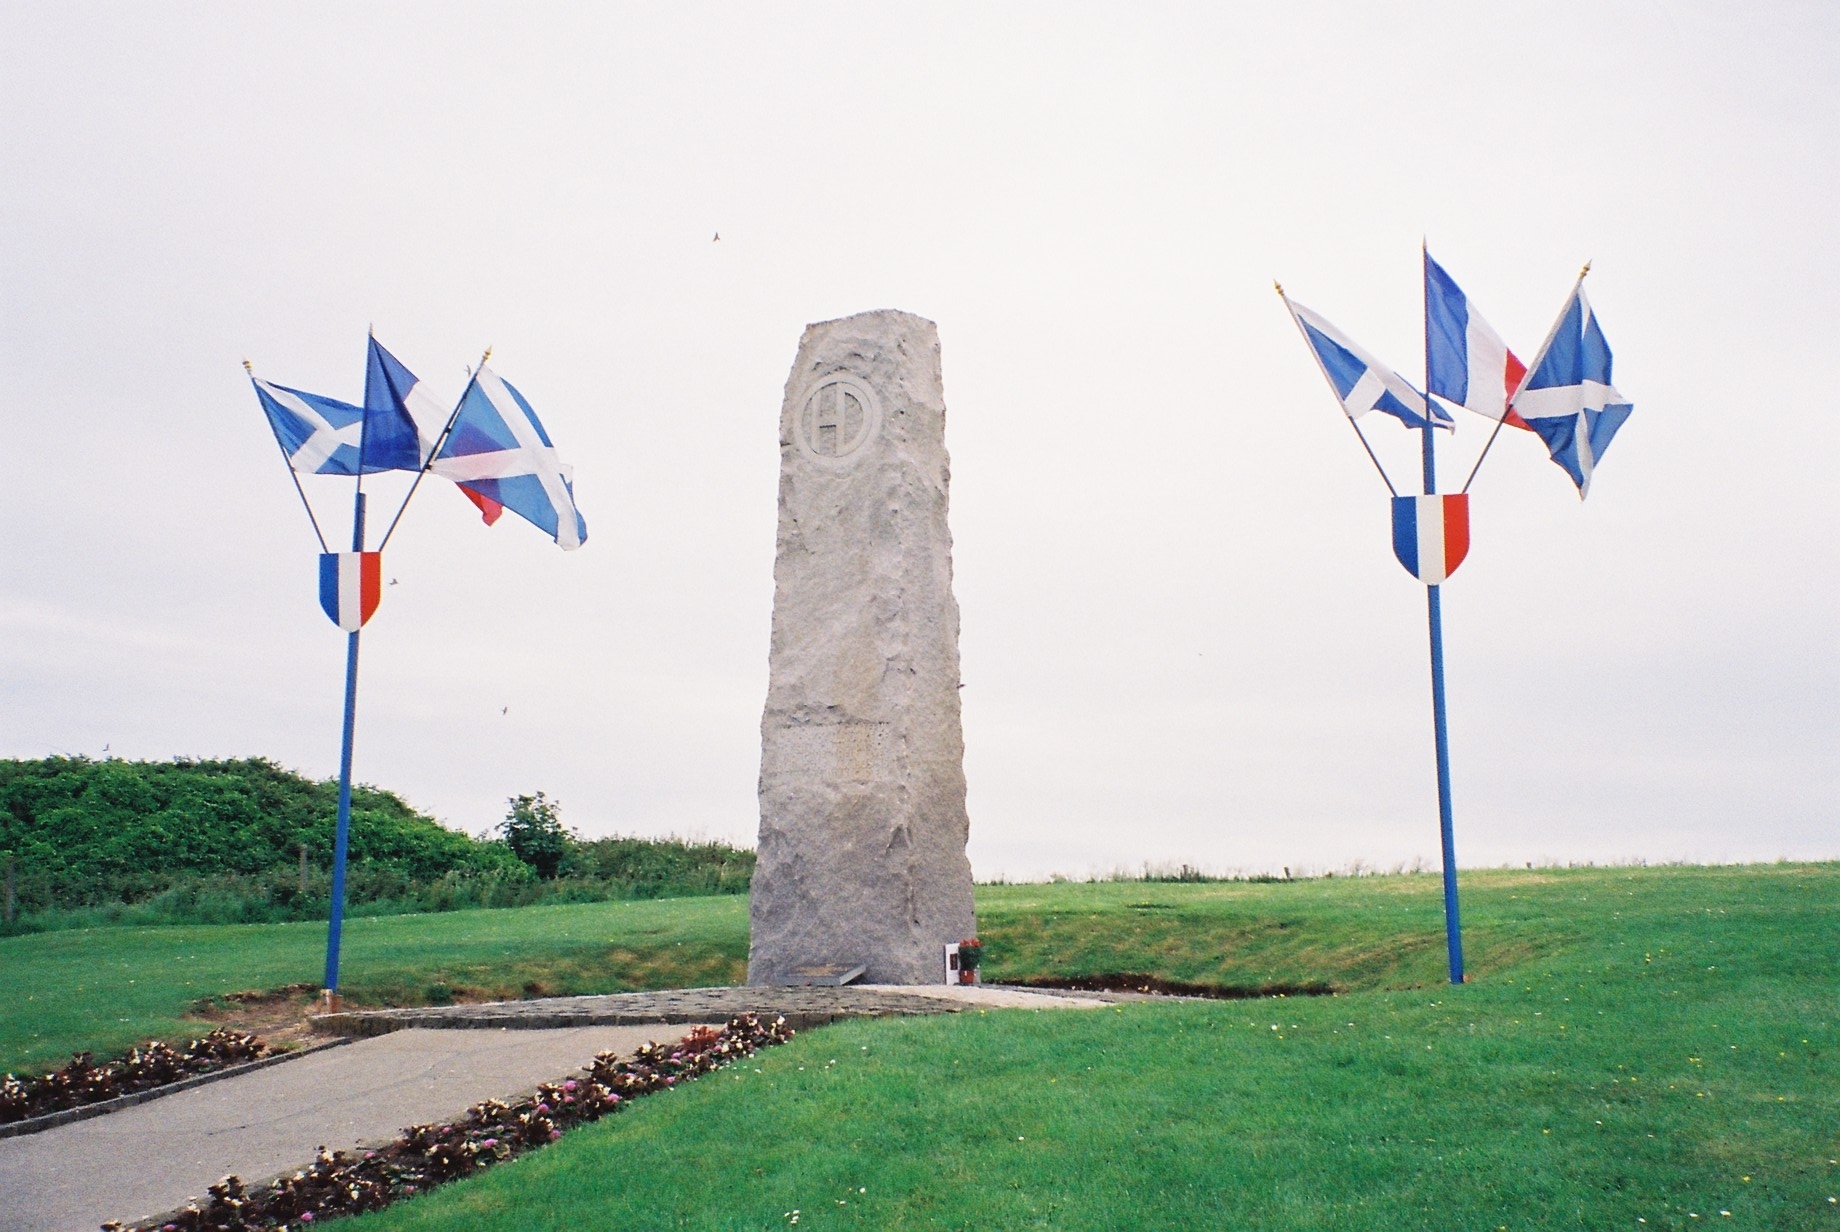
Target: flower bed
(341, 1183)
(82, 1081)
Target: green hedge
(85, 833)
(126, 842)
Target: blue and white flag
(1567, 396)
(498, 450)
(323, 436)
(1360, 381)
(403, 418)
(319, 436)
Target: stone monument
(862, 781)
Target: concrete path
(156, 1156)
(994, 997)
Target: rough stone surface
(862, 782)
(802, 1008)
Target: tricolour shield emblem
(1431, 535)
(350, 584)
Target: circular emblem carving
(838, 417)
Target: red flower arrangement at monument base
(970, 954)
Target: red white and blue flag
(1431, 535)
(350, 584)
(1468, 363)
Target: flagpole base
(330, 1002)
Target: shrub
(534, 833)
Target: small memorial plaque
(820, 975)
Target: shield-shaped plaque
(350, 584)
(1431, 535)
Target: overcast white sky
(1184, 635)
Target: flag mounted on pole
(403, 418)
(498, 452)
(1360, 381)
(1567, 397)
(317, 435)
(492, 445)
(1467, 363)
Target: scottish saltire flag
(320, 436)
(498, 450)
(402, 418)
(1431, 535)
(323, 436)
(1567, 397)
(350, 585)
(1362, 382)
(1469, 363)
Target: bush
(533, 831)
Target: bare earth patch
(278, 1015)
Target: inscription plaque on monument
(862, 784)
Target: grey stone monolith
(862, 781)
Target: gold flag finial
(1277, 286)
(1585, 270)
(249, 368)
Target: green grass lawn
(106, 989)
(1637, 1045)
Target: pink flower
(554, 1134)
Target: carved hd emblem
(837, 418)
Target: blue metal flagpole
(344, 828)
(1453, 928)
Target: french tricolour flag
(350, 584)
(1431, 535)
(1469, 363)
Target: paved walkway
(156, 1156)
(802, 1008)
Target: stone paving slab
(802, 1007)
(998, 996)
(156, 1156)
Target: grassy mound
(1658, 1045)
(85, 833)
(245, 842)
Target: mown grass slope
(1664, 1053)
(1638, 1044)
(105, 989)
